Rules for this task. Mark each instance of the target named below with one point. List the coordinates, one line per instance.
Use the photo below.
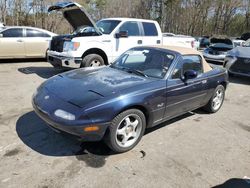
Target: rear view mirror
(122, 34)
(189, 74)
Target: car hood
(240, 52)
(82, 86)
(75, 14)
(221, 40)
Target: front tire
(126, 130)
(92, 60)
(216, 100)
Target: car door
(133, 39)
(185, 95)
(150, 34)
(11, 43)
(36, 43)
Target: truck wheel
(92, 60)
(126, 130)
(216, 100)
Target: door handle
(204, 81)
(19, 40)
(139, 42)
(158, 42)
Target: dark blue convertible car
(144, 87)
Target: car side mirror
(189, 74)
(122, 34)
(1, 35)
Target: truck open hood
(75, 14)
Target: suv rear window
(149, 29)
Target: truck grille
(57, 42)
(57, 45)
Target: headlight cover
(70, 46)
(64, 115)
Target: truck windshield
(107, 26)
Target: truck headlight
(64, 115)
(70, 46)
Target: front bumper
(216, 58)
(63, 60)
(76, 127)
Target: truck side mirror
(122, 34)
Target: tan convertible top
(187, 51)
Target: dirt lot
(195, 150)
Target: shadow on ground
(34, 132)
(43, 72)
(38, 136)
(235, 183)
(239, 80)
(22, 60)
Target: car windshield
(107, 26)
(145, 62)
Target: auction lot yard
(195, 150)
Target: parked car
(24, 42)
(238, 42)
(219, 46)
(245, 36)
(204, 42)
(144, 87)
(237, 60)
(99, 44)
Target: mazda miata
(144, 87)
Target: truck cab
(97, 44)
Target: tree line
(189, 17)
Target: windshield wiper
(130, 70)
(135, 71)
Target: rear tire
(216, 100)
(126, 130)
(92, 60)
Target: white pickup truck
(96, 44)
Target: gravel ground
(194, 150)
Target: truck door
(151, 36)
(133, 38)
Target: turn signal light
(91, 128)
